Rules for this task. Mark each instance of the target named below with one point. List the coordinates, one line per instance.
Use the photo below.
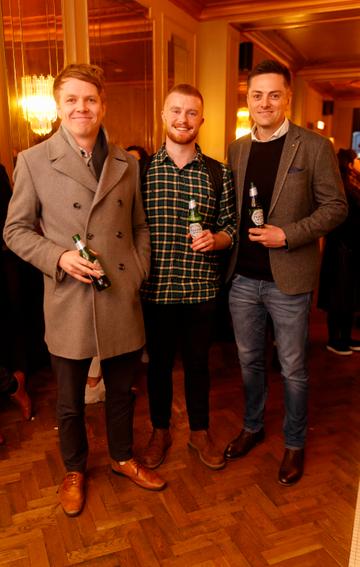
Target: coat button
(76, 205)
(121, 267)
(119, 234)
(120, 203)
(89, 236)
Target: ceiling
(318, 40)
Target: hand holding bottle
(269, 236)
(100, 281)
(77, 267)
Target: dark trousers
(6, 381)
(71, 375)
(339, 326)
(191, 325)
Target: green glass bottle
(194, 219)
(255, 209)
(102, 282)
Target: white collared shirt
(284, 128)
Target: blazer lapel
(65, 160)
(242, 158)
(290, 148)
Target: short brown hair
(84, 72)
(270, 66)
(186, 89)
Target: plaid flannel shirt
(178, 274)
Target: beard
(182, 138)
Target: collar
(284, 128)
(69, 137)
(163, 155)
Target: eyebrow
(268, 92)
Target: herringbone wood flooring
(239, 516)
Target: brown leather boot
(138, 474)
(155, 452)
(72, 493)
(20, 396)
(201, 442)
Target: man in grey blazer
(274, 268)
(77, 182)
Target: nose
(182, 116)
(81, 105)
(265, 101)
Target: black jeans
(193, 326)
(71, 375)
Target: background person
(339, 289)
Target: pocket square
(294, 169)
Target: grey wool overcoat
(308, 201)
(56, 190)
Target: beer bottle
(102, 282)
(255, 210)
(194, 218)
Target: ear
(59, 113)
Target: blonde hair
(84, 72)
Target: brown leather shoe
(201, 442)
(241, 445)
(138, 474)
(72, 493)
(292, 466)
(155, 452)
(20, 396)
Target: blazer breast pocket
(295, 169)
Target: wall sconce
(243, 125)
(37, 103)
(320, 125)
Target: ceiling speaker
(245, 56)
(328, 107)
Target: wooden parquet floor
(238, 517)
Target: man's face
(81, 109)
(268, 99)
(182, 117)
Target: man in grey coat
(274, 268)
(77, 182)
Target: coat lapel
(65, 160)
(290, 148)
(114, 168)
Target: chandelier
(37, 103)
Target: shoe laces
(72, 479)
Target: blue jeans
(250, 303)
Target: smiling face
(268, 99)
(81, 110)
(182, 117)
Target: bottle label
(79, 245)
(195, 229)
(257, 217)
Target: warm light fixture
(243, 125)
(320, 125)
(38, 104)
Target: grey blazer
(53, 186)
(308, 201)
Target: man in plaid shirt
(180, 295)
